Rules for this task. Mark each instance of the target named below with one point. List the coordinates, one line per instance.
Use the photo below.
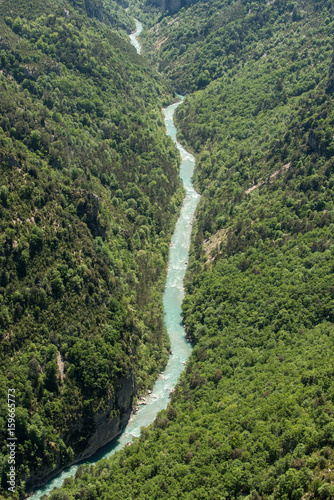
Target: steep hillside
(212, 39)
(106, 11)
(89, 193)
(253, 415)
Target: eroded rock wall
(106, 428)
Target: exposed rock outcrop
(106, 428)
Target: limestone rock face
(106, 428)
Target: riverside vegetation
(89, 194)
(253, 415)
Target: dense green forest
(253, 415)
(89, 194)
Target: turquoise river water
(173, 295)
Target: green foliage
(109, 12)
(208, 40)
(80, 277)
(253, 414)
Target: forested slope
(89, 193)
(253, 414)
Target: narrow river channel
(173, 296)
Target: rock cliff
(106, 428)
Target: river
(134, 36)
(173, 296)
